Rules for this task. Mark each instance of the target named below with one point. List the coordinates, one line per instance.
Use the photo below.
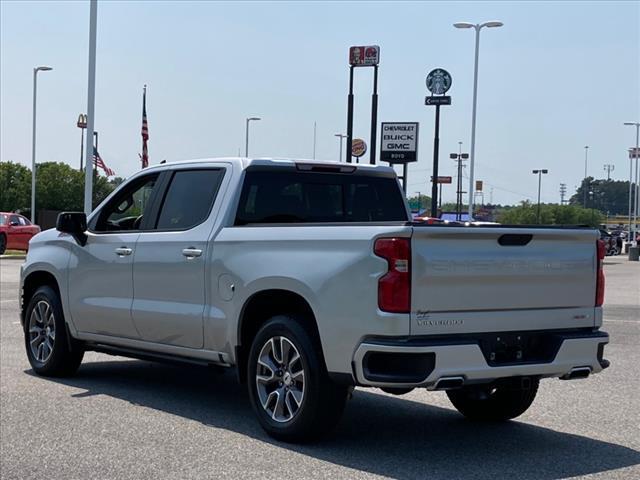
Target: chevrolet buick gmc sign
(399, 142)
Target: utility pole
(586, 154)
(563, 193)
(609, 168)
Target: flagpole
(144, 158)
(91, 97)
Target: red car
(15, 232)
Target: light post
(341, 136)
(477, 27)
(586, 155)
(246, 136)
(33, 141)
(539, 173)
(637, 192)
(459, 157)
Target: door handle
(123, 251)
(191, 252)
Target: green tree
(550, 214)
(15, 187)
(424, 202)
(605, 195)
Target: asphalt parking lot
(120, 418)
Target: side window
(189, 199)
(24, 221)
(127, 209)
(14, 220)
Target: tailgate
(469, 279)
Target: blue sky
(556, 77)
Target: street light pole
(472, 158)
(637, 189)
(539, 173)
(33, 141)
(341, 136)
(246, 135)
(586, 152)
(91, 103)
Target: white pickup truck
(309, 278)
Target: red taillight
(600, 247)
(394, 287)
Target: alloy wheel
(42, 331)
(280, 379)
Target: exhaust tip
(577, 373)
(449, 383)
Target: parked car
(15, 232)
(611, 243)
(309, 279)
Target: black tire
(322, 401)
(494, 403)
(61, 360)
(3, 243)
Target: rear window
(273, 196)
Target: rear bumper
(427, 362)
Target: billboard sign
(366, 56)
(399, 142)
(479, 185)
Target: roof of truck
(245, 162)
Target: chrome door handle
(191, 252)
(123, 251)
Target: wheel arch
(259, 308)
(32, 282)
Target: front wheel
(50, 352)
(289, 388)
(494, 402)
(3, 243)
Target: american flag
(99, 163)
(145, 131)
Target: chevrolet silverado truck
(309, 278)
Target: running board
(152, 356)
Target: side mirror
(14, 223)
(75, 224)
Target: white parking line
(622, 321)
(7, 301)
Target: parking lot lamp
(33, 141)
(472, 159)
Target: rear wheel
(49, 350)
(289, 387)
(494, 403)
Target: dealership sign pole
(438, 82)
(399, 144)
(365, 56)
